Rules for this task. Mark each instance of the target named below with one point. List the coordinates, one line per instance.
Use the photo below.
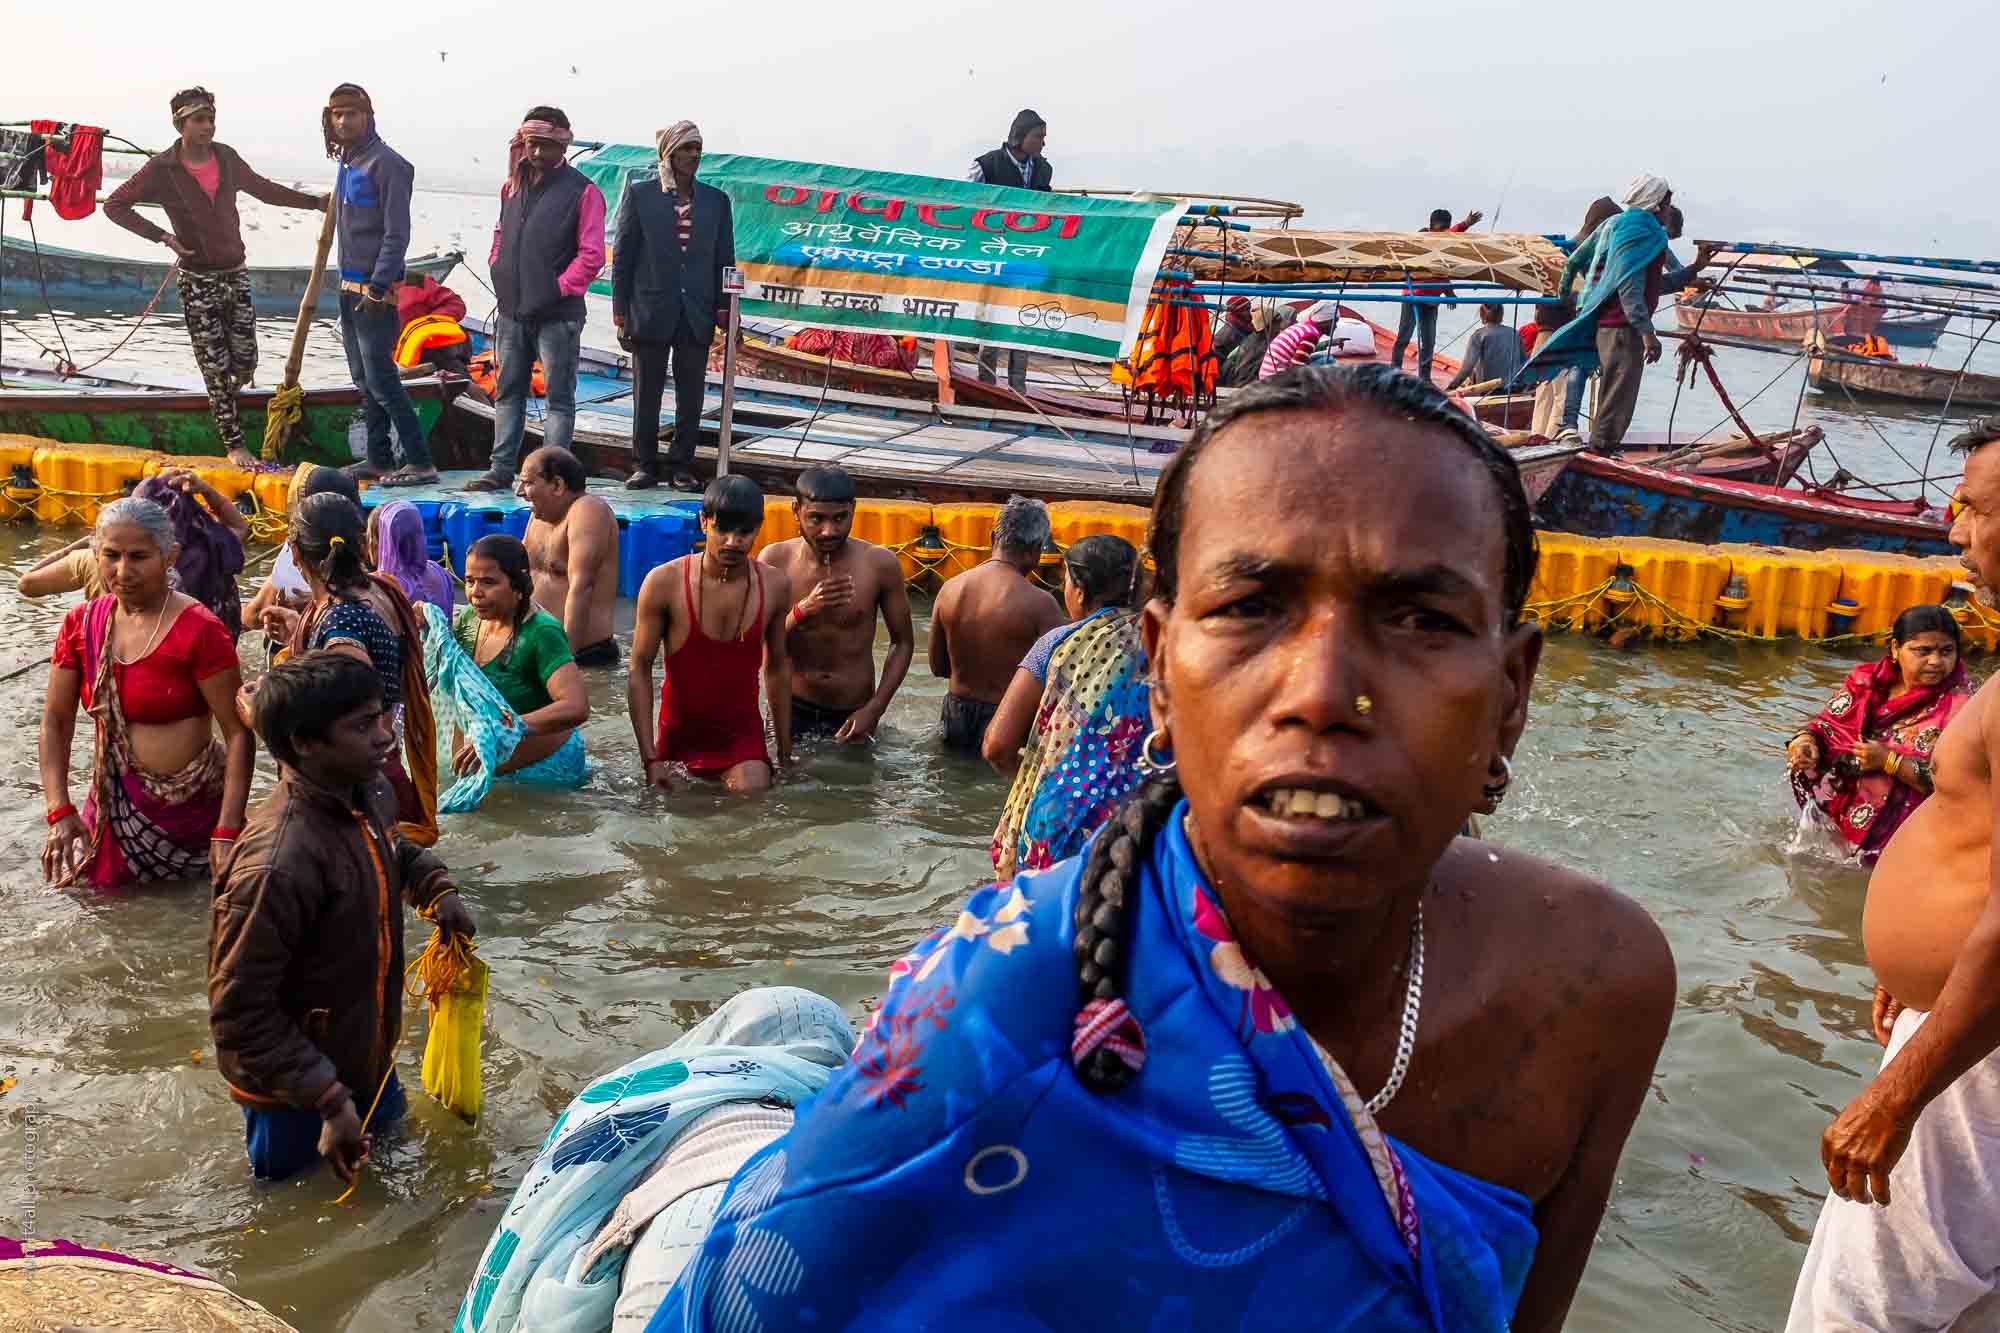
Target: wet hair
(353, 92)
(1102, 567)
(1926, 618)
(1440, 217)
(1979, 432)
(1314, 388)
(1025, 124)
(826, 484)
(331, 536)
(1492, 311)
(512, 557)
(1023, 525)
(306, 695)
(146, 515)
(552, 114)
(735, 504)
(329, 480)
(559, 464)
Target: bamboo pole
(1854, 256)
(287, 403)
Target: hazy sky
(1839, 123)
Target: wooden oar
(287, 407)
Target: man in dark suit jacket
(672, 240)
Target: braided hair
(1108, 1049)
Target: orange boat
(1780, 326)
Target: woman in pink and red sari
(158, 674)
(1865, 760)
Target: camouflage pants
(222, 325)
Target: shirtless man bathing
(572, 543)
(1910, 1241)
(985, 621)
(721, 616)
(841, 585)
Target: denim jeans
(283, 1143)
(1423, 321)
(519, 343)
(368, 331)
(1573, 399)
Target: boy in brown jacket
(305, 940)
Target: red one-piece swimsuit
(709, 719)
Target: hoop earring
(1148, 765)
(1493, 793)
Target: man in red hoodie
(1423, 319)
(195, 182)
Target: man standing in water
(1909, 1242)
(572, 543)
(547, 249)
(984, 622)
(372, 220)
(720, 614)
(842, 583)
(195, 184)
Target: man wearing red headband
(547, 248)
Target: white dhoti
(1931, 1259)
(1549, 405)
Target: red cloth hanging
(76, 176)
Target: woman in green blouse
(521, 649)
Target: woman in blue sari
(1280, 1051)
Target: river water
(614, 918)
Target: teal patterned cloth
(468, 704)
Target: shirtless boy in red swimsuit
(720, 614)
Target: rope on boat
(1677, 622)
(287, 409)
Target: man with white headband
(195, 182)
(673, 239)
(547, 249)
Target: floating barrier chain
(1579, 604)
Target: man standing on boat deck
(1422, 320)
(841, 584)
(372, 221)
(984, 622)
(572, 543)
(548, 247)
(1018, 163)
(1908, 1241)
(674, 238)
(195, 184)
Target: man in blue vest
(547, 249)
(371, 202)
(1017, 163)
(673, 239)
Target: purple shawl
(211, 557)
(403, 553)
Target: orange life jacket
(1874, 345)
(1174, 357)
(425, 332)
(485, 372)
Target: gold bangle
(1893, 764)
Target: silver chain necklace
(1413, 999)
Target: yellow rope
(1675, 619)
(287, 409)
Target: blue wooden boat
(77, 281)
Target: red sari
(1868, 808)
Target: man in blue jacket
(372, 221)
(674, 237)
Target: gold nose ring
(1363, 705)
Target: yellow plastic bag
(453, 980)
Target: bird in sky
(441, 57)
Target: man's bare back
(1931, 884)
(983, 623)
(589, 529)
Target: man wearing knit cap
(195, 183)
(371, 196)
(547, 249)
(673, 238)
(1017, 163)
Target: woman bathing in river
(158, 673)
(1865, 760)
(523, 651)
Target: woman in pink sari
(1865, 760)
(158, 674)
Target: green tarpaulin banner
(884, 252)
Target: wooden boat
(1880, 377)
(176, 419)
(1785, 326)
(894, 447)
(1912, 330)
(1614, 497)
(76, 280)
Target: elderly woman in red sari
(158, 674)
(1865, 760)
